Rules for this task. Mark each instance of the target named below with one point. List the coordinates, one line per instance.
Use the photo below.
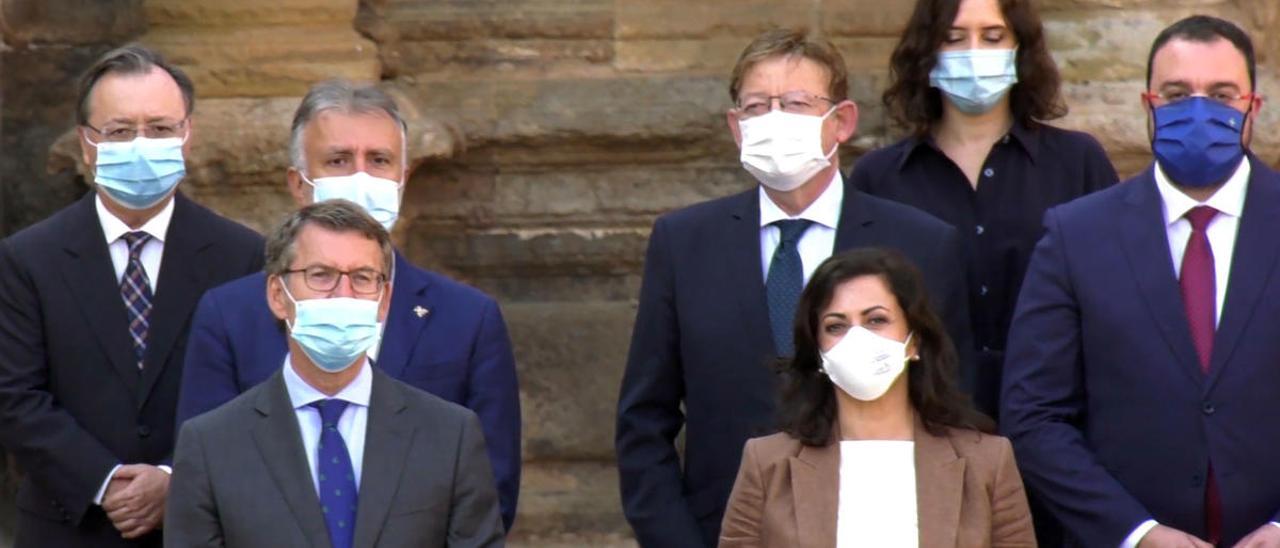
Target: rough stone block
(681, 19)
(414, 20)
(202, 14)
(847, 18)
(570, 504)
(69, 22)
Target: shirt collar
(1228, 200)
(302, 394)
(1027, 139)
(824, 211)
(113, 228)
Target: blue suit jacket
(1110, 416)
(701, 351)
(458, 350)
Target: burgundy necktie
(1200, 301)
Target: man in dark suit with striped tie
(94, 309)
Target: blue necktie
(783, 285)
(336, 476)
(135, 289)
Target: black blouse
(1027, 172)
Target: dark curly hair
(807, 407)
(916, 106)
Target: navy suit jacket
(73, 403)
(458, 349)
(1111, 419)
(701, 352)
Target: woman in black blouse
(973, 81)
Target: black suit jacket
(73, 403)
(701, 351)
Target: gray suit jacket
(241, 479)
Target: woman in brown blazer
(869, 456)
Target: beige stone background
(550, 132)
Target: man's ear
(276, 298)
(298, 188)
(846, 115)
(384, 305)
(731, 117)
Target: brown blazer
(968, 493)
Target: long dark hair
(807, 410)
(916, 106)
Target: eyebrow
(1213, 85)
(842, 316)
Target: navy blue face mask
(1197, 141)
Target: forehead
(1199, 64)
(347, 250)
(979, 14)
(136, 97)
(857, 294)
(782, 73)
(336, 128)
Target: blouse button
(979, 229)
(989, 172)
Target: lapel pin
(420, 311)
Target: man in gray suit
(319, 455)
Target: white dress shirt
(818, 242)
(113, 228)
(352, 425)
(1221, 232)
(877, 503)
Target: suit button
(1208, 408)
(144, 430)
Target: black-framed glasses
(793, 102)
(123, 133)
(364, 281)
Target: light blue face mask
(975, 80)
(139, 174)
(334, 332)
(379, 197)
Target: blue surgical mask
(975, 80)
(334, 332)
(379, 197)
(141, 173)
(1197, 141)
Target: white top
(352, 425)
(877, 494)
(113, 228)
(1229, 201)
(817, 243)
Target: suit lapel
(1252, 263)
(386, 450)
(856, 220)
(815, 477)
(939, 488)
(1146, 245)
(409, 298)
(182, 282)
(279, 442)
(91, 279)
(742, 272)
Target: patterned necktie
(1199, 289)
(135, 289)
(783, 284)
(335, 475)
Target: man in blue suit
(440, 335)
(1142, 369)
(721, 281)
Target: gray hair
(349, 98)
(335, 215)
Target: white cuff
(1140, 531)
(102, 491)
(167, 469)
(1275, 524)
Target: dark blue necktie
(135, 289)
(784, 283)
(335, 475)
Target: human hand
(1267, 536)
(1161, 536)
(135, 499)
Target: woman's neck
(959, 129)
(888, 418)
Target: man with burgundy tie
(95, 303)
(330, 451)
(1143, 364)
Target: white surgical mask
(379, 197)
(864, 364)
(975, 80)
(783, 150)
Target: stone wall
(548, 135)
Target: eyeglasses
(1174, 96)
(364, 281)
(793, 102)
(121, 133)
